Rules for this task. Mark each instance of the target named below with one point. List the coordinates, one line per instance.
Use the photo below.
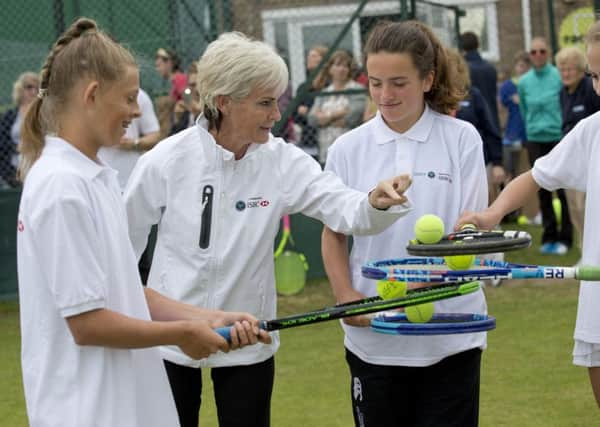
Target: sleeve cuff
(82, 308)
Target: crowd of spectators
(527, 110)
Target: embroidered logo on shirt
(440, 176)
(240, 205)
(257, 202)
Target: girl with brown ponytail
(409, 380)
(89, 329)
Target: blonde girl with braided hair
(89, 329)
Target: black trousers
(442, 395)
(242, 393)
(551, 232)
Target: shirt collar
(210, 145)
(87, 166)
(419, 132)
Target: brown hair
(462, 75)
(82, 51)
(339, 56)
(522, 56)
(427, 54)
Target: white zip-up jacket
(217, 221)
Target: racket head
(430, 270)
(290, 272)
(440, 324)
(472, 242)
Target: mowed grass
(527, 376)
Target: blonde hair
(19, 85)
(233, 65)
(82, 51)
(571, 55)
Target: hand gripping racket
(434, 270)
(365, 306)
(440, 324)
(471, 241)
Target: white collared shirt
(444, 155)
(573, 164)
(218, 219)
(74, 256)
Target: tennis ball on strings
(419, 313)
(459, 262)
(429, 229)
(388, 289)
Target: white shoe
(560, 248)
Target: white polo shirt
(74, 256)
(573, 164)
(445, 157)
(217, 221)
(123, 161)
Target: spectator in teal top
(539, 93)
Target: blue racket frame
(440, 324)
(435, 270)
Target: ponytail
(82, 51)
(32, 139)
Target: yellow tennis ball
(459, 262)
(388, 289)
(420, 313)
(429, 229)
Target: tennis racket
(365, 306)
(472, 241)
(435, 270)
(290, 266)
(440, 324)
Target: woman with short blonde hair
(218, 191)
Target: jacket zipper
(207, 201)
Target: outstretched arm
(516, 194)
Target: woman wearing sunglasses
(539, 91)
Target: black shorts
(445, 394)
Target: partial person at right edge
(578, 101)
(572, 164)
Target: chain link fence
(29, 27)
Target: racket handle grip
(588, 272)
(225, 331)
